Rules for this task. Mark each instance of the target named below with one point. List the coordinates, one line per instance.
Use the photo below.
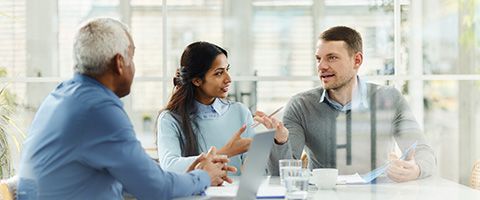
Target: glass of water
(288, 166)
(296, 184)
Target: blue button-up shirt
(359, 98)
(82, 145)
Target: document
(350, 179)
(271, 192)
(227, 190)
(265, 191)
(370, 176)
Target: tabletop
(430, 188)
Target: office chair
(475, 178)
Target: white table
(434, 188)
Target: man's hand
(223, 159)
(236, 145)
(215, 166)
(196, 162)
(281, 133)
(403, 170)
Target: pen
(274, 112)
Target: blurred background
(428, 49)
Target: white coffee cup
(324, 178)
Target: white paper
(350, 179)
(272, 191)
(227, 190)
(230, 190)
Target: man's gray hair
(97, 42)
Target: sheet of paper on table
(350, 179)
(230, 190)
(370, 176)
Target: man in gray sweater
(347, 123)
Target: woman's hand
(215, 165)
(236, 145)
(281, 133)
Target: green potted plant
(10, 134)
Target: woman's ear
(197, 81)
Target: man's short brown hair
(342, 33)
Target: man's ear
(118, 64)
(197, 81)
(358, 59)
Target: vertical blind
(13, 37)
(283, 46)
(70, 15)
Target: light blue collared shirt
(215, 110)
(359, 98)
(81, 145)
(216, 122)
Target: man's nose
(322, 65)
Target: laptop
(253, 170)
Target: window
(70, 15)
(419, 47)
(12, 37)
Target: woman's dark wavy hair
(196, 60)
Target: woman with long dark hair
(198, 116)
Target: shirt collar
(214, 110)
(359, 98)
(81, 78)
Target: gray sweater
(375, 132)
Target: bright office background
(428, 49)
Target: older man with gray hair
(81, 143)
